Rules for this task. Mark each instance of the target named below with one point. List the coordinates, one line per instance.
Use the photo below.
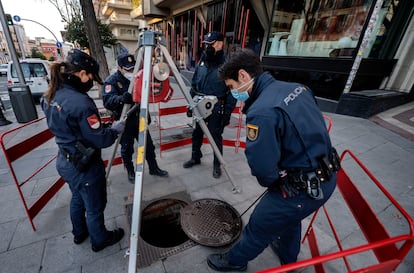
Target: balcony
(116, 5)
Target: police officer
(73, 118)
(289, 152)
(115, 95)
(205, 81)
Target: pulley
(161, 71)
(160, 91)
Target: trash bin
(22, 103)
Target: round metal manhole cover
(211, 222)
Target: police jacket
(72, 116)
(285, 129)
(113, 88)
(206, 81)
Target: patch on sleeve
(94, 122)
(108, 88)
(252, 132)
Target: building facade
(308, 41)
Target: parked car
(3, 69)
(36, 73)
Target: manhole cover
(211, 222)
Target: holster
(81, 158)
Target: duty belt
(291, 181)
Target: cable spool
(160, 91)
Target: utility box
(22, 103)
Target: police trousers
(215, 126)
(88, 198)
(127, 150)
(277, 218)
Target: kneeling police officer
(289, 152)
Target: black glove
(226, 119)
(127, 98)
(286, 187)
(189, 112)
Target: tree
(85, 30)
(37, 54)
(92, 30)
(76, 33)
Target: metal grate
(148, 254)
(211, 222)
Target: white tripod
(147, 42)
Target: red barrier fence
(35, 137)
(31, 143)
(376, 250)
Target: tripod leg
(142, 138)
(196, 111)
(124, 112)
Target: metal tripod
(147, 41)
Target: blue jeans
(277, 218)
(88, 198)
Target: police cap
(212, 37)
(84, 62)
(126, 61)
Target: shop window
(326, 28)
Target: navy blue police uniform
(73, 118)
(113, 89)
(286, 132)
(206, 82)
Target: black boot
(220, 262)
(195, 160)
(216, 171)
(113, 237)
(190, 163)
(131, 172)
(158, 172)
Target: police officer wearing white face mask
(115, 95)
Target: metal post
(361, 49)
(10, 44)
(147, 41)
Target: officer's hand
(189, 112)
(226, 119)
(127, 98)
(118, 126)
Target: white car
(36, 73)
(3, 69)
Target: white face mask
(129, 75)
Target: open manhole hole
(161, 225)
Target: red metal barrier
(27, 140)
(181, 110)
(380, 251)
(15, 151)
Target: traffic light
(9, 20)
(59, 53)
